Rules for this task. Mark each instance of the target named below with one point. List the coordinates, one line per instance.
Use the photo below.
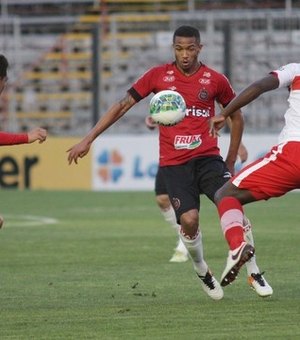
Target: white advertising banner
(124, 162)
(130, 162)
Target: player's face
(186, 51)
(3, 81)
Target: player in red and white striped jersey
(273, 175)
(189, 158)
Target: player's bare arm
(114, 113)
(39, 134)
(236, 131)
(242, 151)
(236, 148)
(253, 91)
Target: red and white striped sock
(231, 217)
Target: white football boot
(211, 286)
(235, 260)
(258, 283)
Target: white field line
(27, 220)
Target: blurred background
(54, 48)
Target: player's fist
(35, 134)
(243, 153)
(216, 123)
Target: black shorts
(160, 186)
(186, 182)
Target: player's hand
(230, 166)
(78, 151)
(243, 153)
(216, 123)
(151, 125)
(37, 134)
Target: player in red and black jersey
(190, 160)
(164, 204)
(8, 138)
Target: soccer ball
(167, 108)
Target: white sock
(251, 264)
(170, 217)
(195, 249)
(181, 247)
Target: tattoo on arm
(126, 101)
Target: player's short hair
(187, 31)
(3, 66)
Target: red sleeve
(226, 92)
(7, 138)
(145, 84)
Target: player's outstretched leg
(255, 279)
(231, 218)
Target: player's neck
(192, 70)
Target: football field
(91, 265)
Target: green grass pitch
(91, 265)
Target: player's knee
(190, 220)
(163, 201)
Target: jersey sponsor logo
(168, 79)
(170, 72)
(204, 81)
(207, 74)
(187, 142)
(196, 112)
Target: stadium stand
(51, 80)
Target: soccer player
(273, 175)
(165, 206)
(7, 138)
(189, 159)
